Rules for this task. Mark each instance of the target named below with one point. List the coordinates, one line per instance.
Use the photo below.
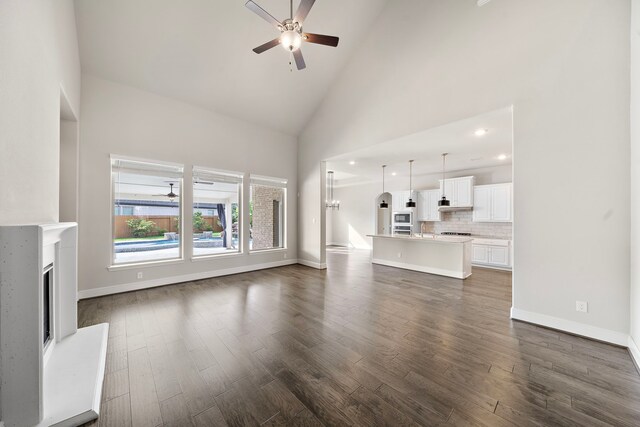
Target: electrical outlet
(284, 256)
(399, 254)
(582, 306)
(140, 274)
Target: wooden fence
(164, 222)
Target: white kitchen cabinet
(492, 203)
(400, 199)
(491, 253)
(482, 203)
(480, 254)
(499, 256)
(428, 205)
(459, 191)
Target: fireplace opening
(47, 304)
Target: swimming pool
(153, 245)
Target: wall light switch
(582, 306)
(140, 274)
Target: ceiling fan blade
(303, 10)
(321, 39)
(267, 45)
(297, 55)
(262, 13)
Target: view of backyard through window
(216, 212)
(146, 216)
(147, 210)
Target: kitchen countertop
(426, 238)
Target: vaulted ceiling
(199, 51)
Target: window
(146, 211)
(216, 212)
(267, 213)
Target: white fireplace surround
(62, 387)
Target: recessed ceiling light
(481, 132)
(502, 157)
(352, 162)
(393, 174)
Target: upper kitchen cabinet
(492, 203)
(428, 205)
(400, 199)
(459, 191)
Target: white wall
(356, 218)
(39, 55)
(121, 120)
(635, 177)
(69, 158)
(565, 68)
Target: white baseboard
(634, 351)
(594, 332)
(136, 286)
(313, 264)
(491, 267)
(345, 244)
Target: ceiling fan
(291, 36)
(171, 195)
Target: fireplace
(52, 372)
(47, 306)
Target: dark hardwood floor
(355, 345)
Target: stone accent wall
(262, 228)
(462, 222)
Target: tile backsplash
(462, 222)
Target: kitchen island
(441, 255)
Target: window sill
(267, 251)
(130, 266)
(217, 256)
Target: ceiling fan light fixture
(291, 40)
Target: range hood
(454, 208)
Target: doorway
(479, 165)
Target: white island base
(441, 255)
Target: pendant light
(383, 204)
(410, 203)
(443, 201)
(331, 203)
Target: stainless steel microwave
(403, 218)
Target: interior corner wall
(564, 66)
(122, 120)
(39, 54)
(635, 179)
